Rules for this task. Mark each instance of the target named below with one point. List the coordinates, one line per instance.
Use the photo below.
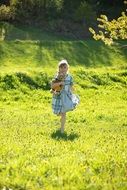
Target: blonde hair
(63, 62)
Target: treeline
(40, 10)
(61, 15)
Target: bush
(6, 13)
(43, 81)
(9, 82)
(27, 80)
(22, 80)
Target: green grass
(44, 50)
(39, 54)
(14, 32)
(92, 154)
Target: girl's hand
(55, 93)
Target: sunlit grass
(42, 54)
(92, 154)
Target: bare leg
(63, 120)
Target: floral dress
(65, 101)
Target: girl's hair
(63, 62)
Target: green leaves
(111, 30)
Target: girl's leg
(63, 120)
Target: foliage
(6, 13)
(85, 13)
(32, 10)
(111, 30)
(40, 12)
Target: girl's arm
(54, 85)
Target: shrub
(9, 82)
(6, 13)
(23, 81)
(43, 81)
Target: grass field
(92, 154)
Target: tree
(111, 30)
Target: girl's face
(63, 68)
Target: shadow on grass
(36, 46)
(58, 136)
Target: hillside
(27, 48)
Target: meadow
(92, 154)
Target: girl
(61, 87)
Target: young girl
(63, 99)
